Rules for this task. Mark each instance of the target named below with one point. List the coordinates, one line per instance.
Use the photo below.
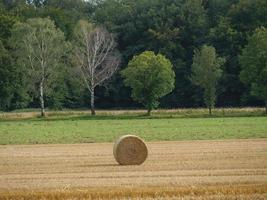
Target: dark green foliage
(174, 28)
(226, 40)
(13, 94)
(6, 77)
(6, 23)
(254, 64)
(247, 15)
(236, 20)
(169, 27)
(150, 77)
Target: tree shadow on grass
(97, 117)
(142, 116)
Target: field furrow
(172, 168)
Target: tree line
(214, 51)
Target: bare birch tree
(95, 56)
(40, 46)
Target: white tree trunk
(93, 101)
(42, 98)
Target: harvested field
(230, 169)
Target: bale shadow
(99, 165)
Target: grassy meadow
(163, 125)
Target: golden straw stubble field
(230, 169)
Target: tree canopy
(206, 72)
(39, 48)
(150, 77)
(253, 61)
(173, 28)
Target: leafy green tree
(253, 62)
(206, 71)
(40, 47)
(151, 77)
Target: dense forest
(173, 28)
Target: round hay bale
(130, 150)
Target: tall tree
(151, 77)
(95, 56)
(40, 48)
(206, 71)
(253, 61)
